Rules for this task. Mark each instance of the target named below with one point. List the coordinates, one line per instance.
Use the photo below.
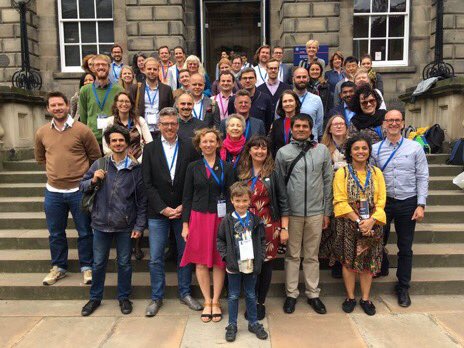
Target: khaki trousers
(303, 232)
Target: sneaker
(348, 305)
(367, 306)
(258, 330)
(231, 332)
(87, 276)
(54, 275)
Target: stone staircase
(25, 257)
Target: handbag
(89, 196)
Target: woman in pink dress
(205, 201)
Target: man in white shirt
(173, 73)
(262, 56)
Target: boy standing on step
(67, 148)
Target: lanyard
(151, 101)
(304, 97)
(213, 174)
(356, 180)
(107, 93)
(177, 79)
(287, 130)
(230, 158)
(114, 71)
(260, 74)
(391, 155)
(165, 75)
(243, 223)
(129, 123)
(254, 179)
(247, 129)
(281, 73)
(125, 162)
(200, 117)
(224, 112)
(173, 157)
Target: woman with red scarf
(234, 143)
(287, 107)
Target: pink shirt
(273, 87)
(223, 104)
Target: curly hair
(354, 139)
(200, 133)
(364, 90)
(246, 163)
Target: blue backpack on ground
(457, 154)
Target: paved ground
(432, 321)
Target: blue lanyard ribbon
(240, 220)
(116, 76)
(391, 155)
(304, 97)
(151, 101)
(265, 75)
(101, 105)
(173, 157)
(254, 179)
(247, 129)
(213, 174)
(201, 111)
(164, 75)
(177, 79)
(356, 180)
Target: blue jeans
(57, 207)
(101, 250)
(158, 235)
(249, 283)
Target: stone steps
(14, 286)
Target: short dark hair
(226, 72)
(164, 46)
(179, 48)
(352, 140)
(280, 110)
(116, 129)
(56, 94)
(364, 90)
(349, 84)
(248, 70)
(302, 117)
(351, 59)
(116, 46)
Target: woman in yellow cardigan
(359, 202)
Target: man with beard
(165, 63)
(311, 104)
(204, 108)
(67, 148)
(347, 92)
(262, 56)
(174, 71)
(151, 96)
(187, 123)
(96, 99)
(116, 64)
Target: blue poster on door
(299, 53)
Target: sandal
(217, 317)
(206, 318)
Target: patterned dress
(351, 248)
(261, 206)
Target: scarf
(232, 147)
(363, 121)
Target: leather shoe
(403, 297)
(289, 305)
(126, 306)
(153, 308)
(90, 307)
(191, 303)
(317, 305)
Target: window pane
(379, 26)
(105, 32)
(71, 32)
(86, 9)
(398, 5)
(104, 9)
(360, 48)
(395, 49)
(68, 9)
(362, 6)
(72, 56)
(378, 49)
(88, 32)
(396, 26)
(105, 49)
(88, 49)
(361, 26)
(379, 5)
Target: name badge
(246, 249)
(150, 117)
(364, 209)
(221, 208)
(102, 121)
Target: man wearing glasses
(404, 166)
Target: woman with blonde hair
(335, 136)
(312, 47)
(126, 78)
(194, 66)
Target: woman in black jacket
(269, 202)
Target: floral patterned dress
(261, 206)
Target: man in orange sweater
(67, 148)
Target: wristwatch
(358, 221)
(284, 228)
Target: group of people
(232, 172)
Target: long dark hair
(132, 115)
(245, 164)
(135, 67)
(280, 111)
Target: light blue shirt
(348, 114)
(407, 174)
(125, 163)
(115, 72)
(311, 104)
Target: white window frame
(405, 38)
(61, 22)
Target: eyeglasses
(369, 102)
(247, 78)
(169, 124)
(394, 120)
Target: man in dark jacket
(165, 162)
(187, 123)
(119, 212)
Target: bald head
(300, 79)
(395, 114)
(197, 85)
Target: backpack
(457, 154)
(423, 142)
(407, 131)
(435, 137)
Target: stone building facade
(144, 25)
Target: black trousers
(263, 282)
(401, 212)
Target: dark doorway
(230, 26)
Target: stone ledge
(410, 69)
(453, 85)
(19, 95)
(67, 75)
